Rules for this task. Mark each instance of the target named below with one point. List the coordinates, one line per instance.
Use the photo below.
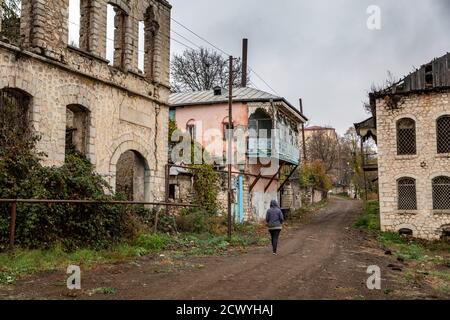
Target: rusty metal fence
(14, 202)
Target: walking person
(274, 219)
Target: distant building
(330, 132)
(411, 124)
(201, 113)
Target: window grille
(443, 134)
(406, 137)
(407, 196)
(441, 193)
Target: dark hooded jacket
(274, 216)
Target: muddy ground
(323, 259)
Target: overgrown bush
(200, 221)
(42, 225)
(206, 186)
(23, 177)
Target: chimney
(244, 62)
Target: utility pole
(230, 142)
(244, 62)
(305, 158)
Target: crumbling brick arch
(122, 4)
(142, 154)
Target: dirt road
(325, 259)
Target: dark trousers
(275, 234)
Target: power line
(200, 37)
(264, 81)
(191, 42)
(224, 52)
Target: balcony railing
(265, 147)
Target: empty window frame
(407, 194)
(406, 137)
(150, 33)
(115, 35)
(141, 46)
(443, 134)
(441, 193)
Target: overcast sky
(321, 50)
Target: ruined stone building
(269, 156)
(95, 74)
(411, 124)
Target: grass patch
(25, 262)
(370, 217)
(427, 259)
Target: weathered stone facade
(424, 108)
(127, 109)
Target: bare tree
(202, 69)
(324, 146)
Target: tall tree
(324, 147)
(202, 69)
(10, 20)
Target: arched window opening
(115, 35)
(406, 137)
(77, 128)
(443, 134)
(261, 122)
(441, 193)
(407, 195)
(15, 127)
(191, 129)
(10, 13)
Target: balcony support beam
(273, 178)
(255, 182)
(288, 177)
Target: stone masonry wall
(127, 111)
(425, 109)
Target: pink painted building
(267, 135)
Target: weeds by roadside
(430, 261)
(25, 262)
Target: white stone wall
(126, 110)
(425, 109)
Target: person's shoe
(275, 254)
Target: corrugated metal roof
(206, 97)
(239, 95)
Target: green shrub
(79, 225)
(153, 242)
(370, 217)
(200, 221)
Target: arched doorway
(132, 176)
